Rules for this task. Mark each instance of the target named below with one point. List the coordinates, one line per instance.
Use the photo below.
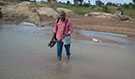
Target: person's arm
(54, 29)
(70, 28)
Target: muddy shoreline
(81, 34)
(91, 24)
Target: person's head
(62, 15)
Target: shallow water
(24, 55)
(120, 39)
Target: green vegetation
(81, 10)
(39, 4)
(76, 8)
(128, 9)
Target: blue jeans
(59, 50)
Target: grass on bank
(130, 10)
(81, 10)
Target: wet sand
(24, 55)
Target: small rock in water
(95, 40)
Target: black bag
(52, 43)
(53, 40)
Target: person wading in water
(62, 33)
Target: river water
(24, 54)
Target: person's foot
(68, 57)
(59, 58)
(59, 62)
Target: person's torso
(61, 28)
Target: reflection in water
(63, 71)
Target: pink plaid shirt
(58, 28)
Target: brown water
(24, 55)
